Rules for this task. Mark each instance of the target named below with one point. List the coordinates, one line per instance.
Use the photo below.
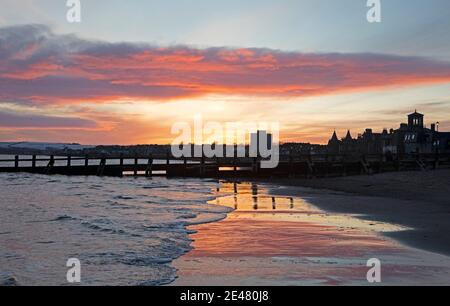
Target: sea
(124, 231)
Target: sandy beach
(289, 236)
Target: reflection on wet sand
(282, 240)
(259, 200)
(258, 203)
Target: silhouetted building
(410, 138)
(295, 148)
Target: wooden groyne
(156, 165)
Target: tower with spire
(334, 144)
(349, 137)
(348, 144)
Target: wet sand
(274, 238)
(418, 200)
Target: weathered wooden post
(16, 161)
(86, 161)
(185, 166)
(202, 165)
(50, 164)
(235, 160)
(121, 160)
(33, 161)
(216, 167)
(149, 171)
(136, 162)
(101, 166)
(69, 161)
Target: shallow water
(125, 231)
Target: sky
(130, 70)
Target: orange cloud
(54, 68)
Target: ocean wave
(9, 281)
(187, 216)
(63, 218)
(134, 228)
(122, 197)
(104, 229)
